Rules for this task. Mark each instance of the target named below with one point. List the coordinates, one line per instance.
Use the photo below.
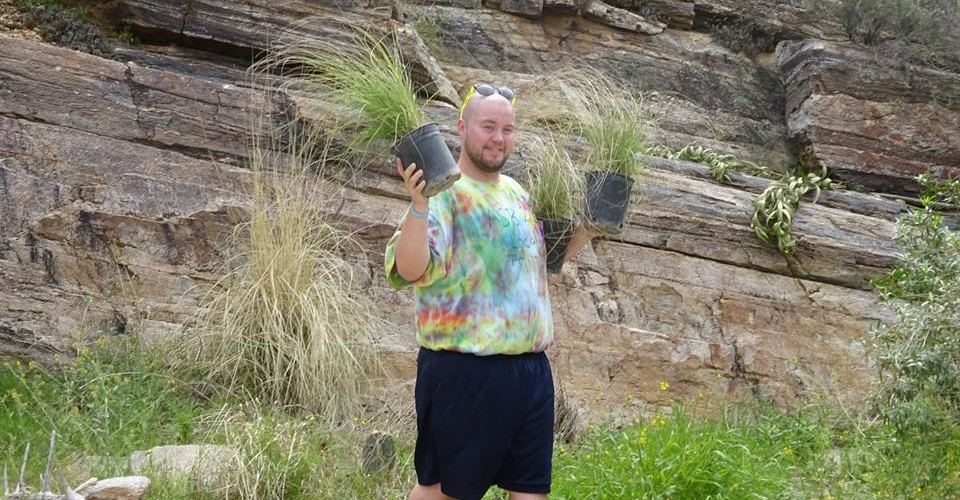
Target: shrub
(916, 28)
(67, 27)
(919, 355)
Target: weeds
(115, 398)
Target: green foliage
(553, 181)
(367, 80)
(126, 36)
(611, 122)
(610, 119)
(115, 398)
(677, 456)
(919, 355)
(69, 27)
(775, 208)
(720, 164)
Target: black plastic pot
(608, 197)
(556, 236)
(425, 147)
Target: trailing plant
(775, 208)
(553, 180)
(919, 355)
(720, 165)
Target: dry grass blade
(289, 322)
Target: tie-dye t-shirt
(485, 289)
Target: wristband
(416, 214)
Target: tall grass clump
(366, 79)
(289, 322)
(611, 119)
(553, 179)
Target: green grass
(611, 119)
(367, 79)
(105, 404)
(118, 398)
(677, 456)
(553, 181)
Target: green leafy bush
(919, 356)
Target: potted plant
(368, 81)
(554, 184)
(611, 122)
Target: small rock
(379, 452)
(117, 488)
(211, 464)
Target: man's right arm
(413, 250)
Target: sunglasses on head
(487, 91)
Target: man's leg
(516, 495)
(432, 492)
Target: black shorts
(484, 420)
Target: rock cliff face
(122, 178)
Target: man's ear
(461, 126)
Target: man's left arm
(581, 236)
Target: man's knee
(516, 495)
(432, 492)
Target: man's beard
(483, 165)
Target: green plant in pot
(611, 122)
(555, 185)
(367, 80)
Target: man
(474, 253)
